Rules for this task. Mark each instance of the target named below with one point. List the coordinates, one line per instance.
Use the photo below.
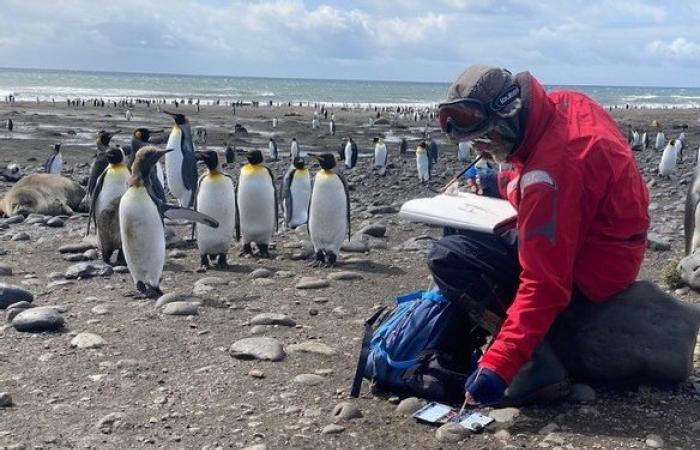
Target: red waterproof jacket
(582, 218)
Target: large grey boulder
(10, 294)
(689, 268)
(641, 334)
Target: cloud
(679, 48)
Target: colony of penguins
(128, 191)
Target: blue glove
(488, 180)
(485, 386)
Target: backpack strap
(364, 353)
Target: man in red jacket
(582, 217)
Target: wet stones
(34, 320)
(10, 294)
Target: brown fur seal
(42, 194)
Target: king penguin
(110, 186)
(380, 153)
(660, 141)
(329, 212)
(464, 151)
(141, 223)
(667, 165)
(272, 150)
(140, 138)
(350, 153)
(296, 193)
(692, 213)
(256, 198)
(180, 164)
(294, 149)
(230, 154)
(423, 164)
(99, 164)
(54, 164)
(216, 197)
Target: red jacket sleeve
(548, 230)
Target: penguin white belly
(668, 161)
(294, 152)
(270, 151)
(695, 243)
(159, 173)
(114, 185)
(380, 156)
(328, 213)
(216, 198)
(56, 165)
(256, 206)
(173, 168)
(300, 191)
(660, 140)
(422, 164)
(348, 155)
(143, 236)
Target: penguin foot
(121, 259)
(147, 290)
(319, 259)
(221, 261)
(247, 250)
(331, 259)
(263, 251)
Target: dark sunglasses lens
(467, 117)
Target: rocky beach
(262, 355)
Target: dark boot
(542, 379)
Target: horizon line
(171, 74)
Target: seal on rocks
(42, 193)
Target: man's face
(492, 144)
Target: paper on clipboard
(465, 211)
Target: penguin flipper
(238, 213)
(173, 212)
(287, 196)
(49, 162)
(277, 203)
(93, 201)
(347, 202)
(98, 167)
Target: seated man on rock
(582, 219)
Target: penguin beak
(169, 113)
(160, 153)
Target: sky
(605, 42)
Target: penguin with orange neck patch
(329, 212)
(256, 197)
(216, 197)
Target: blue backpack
(409, 351)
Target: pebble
(5, 399)
(79, 247)
(375, 230)
(345, 275)
(91, 254)
(504, 417)
(121, 269)
(180, 308)
(255, 373)
(354, 246)
(333, 429)
(256, 447)
(312, 283)
(171, 297)
(409, 405)
(259, 329)
(312, 347)
(273, 319)
(21, 236)
(5, 270)
(345, 411)
(177, 254)
(38, 319)
(260, 273)
(55, 222)
(74, 257)
(10, 294)
(451, 432)
(100, 310)
(14, 219)
(309, 379)
(654, 441)
(260, 348)
(88, 270)
(110, 422)
(581, 393)
(284, 274)
(87, 340)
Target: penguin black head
(325, 160)
(145, 159)
(103, 137)
(180, 119)
(375, 140)
(298, 163)
(209, 157)
(254, 156)
(294, 139)
(56, 148)
(141, 134)
(115, 155)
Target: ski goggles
(469, 117)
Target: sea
(30, 84)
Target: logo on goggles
(506, 98)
